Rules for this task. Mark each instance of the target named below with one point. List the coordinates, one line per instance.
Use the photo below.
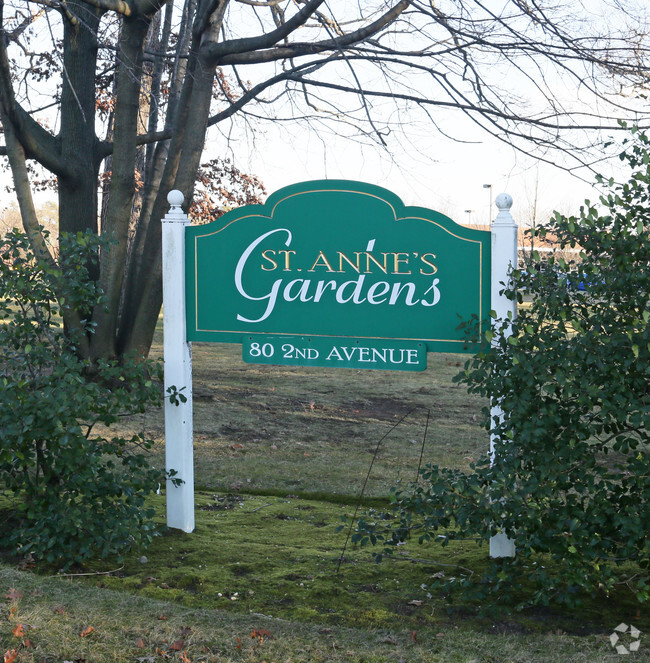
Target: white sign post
(179, 452)
(504, 255)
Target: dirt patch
(223, 503)
(383, 409)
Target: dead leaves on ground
(175, 650)
(260, 634)
(19, 631)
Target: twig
(258, 508)
(430, 562)
(94, 573)
(365, 483)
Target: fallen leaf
(440, 635)
(415, 602)
(59, 610)
(13, 594)
(87, 631)
(261, 633)
(177, 646)
(238, 643)
(184, 658)
(388, 640)
(164, 585)
(236, 446)
(162, 618)
(10, 656)
(12, 612)
(19, 631)
(414, 636)
(185, 631)
(140, 643)
(28, 644)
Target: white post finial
(178, 369)
(504, 203)
(175, 198)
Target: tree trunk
(143, 294)
(122, 188)
(79, 145)
(145, 286)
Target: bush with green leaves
(76, 491)
(570, 481)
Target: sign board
(386, 354)
(335, 264)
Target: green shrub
(77, 492)
(571, 481)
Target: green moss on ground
(253, 554)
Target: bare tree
(132, 87)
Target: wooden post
(504, 255)
(179, 454)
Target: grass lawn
(281, 454)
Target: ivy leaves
(79, 493)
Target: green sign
(392, 355)
(337, 260)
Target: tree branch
(34, 139)
(118, 6)
(256, 56)
(215, 52)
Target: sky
(421, 166)
(440, 174)
(424, 169)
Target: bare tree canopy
(114, 98)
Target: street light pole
(489, 186)
(469, 216)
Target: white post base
(502, 546)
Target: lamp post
(489, 186)
(469, 216)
